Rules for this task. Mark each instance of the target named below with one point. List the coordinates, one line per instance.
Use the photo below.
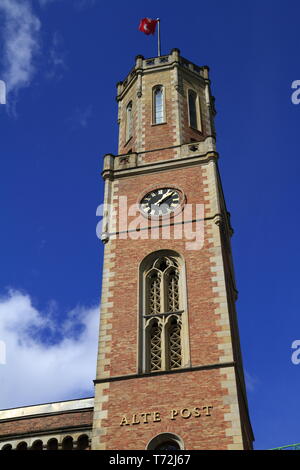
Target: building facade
(169, 367)
(65, 425)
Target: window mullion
(163, 334)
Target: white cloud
(45, 360)
(20, 37)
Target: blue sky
(65, 57)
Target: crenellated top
(152, 64)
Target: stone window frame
(162, 319)
(154, 118)
(199, 126)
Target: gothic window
(129, 121)
(158, 105)
(163, 317)
(194, 110)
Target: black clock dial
(160, 202)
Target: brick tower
(169, 372)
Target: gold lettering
(156, 416)
(196, 411)
(145, 416)
(173, 414)
(207, 408)
(124, 421)
(185, 413)
(134, 420)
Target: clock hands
(165, 196)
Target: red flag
(147, 26)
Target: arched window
(165, 441)
(22, 446)
(37, 445)
(67, 443)
(83, 442)
(158, 105)
(129, 121)
(194, 110)
(7, 447)
(52, 444)
(163, 318)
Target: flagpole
(158, 36)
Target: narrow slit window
(193, 115)
(129, 121)
(158, 99)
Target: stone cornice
(161, 165)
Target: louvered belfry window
(163, 314)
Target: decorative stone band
(174, 371)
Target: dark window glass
(168, 445)
(193, 109)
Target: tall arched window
(194, 110)
(158, 105)
(129, 121)
(163, 318)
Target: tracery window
(163, 319)
(158, 105)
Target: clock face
(161, 202)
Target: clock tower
(169, 371)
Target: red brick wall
(130, 253)
(162, 394)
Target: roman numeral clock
(161, 202)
